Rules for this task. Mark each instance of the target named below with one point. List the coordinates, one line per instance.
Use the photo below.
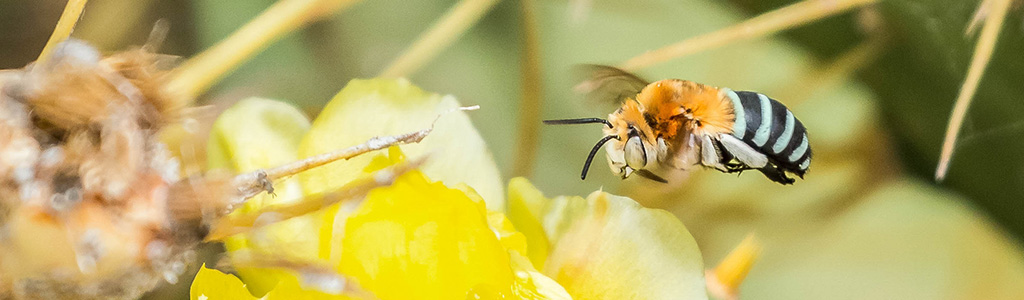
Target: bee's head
(632, 151)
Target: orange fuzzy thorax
(677, 107)
(668, 100)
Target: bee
(678, 123)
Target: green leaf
(916, 80)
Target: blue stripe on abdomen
(739, 126)
(765, 128)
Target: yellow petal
(379, 107)
(511, 239)
(259, 133)
(212, 284)
(725, 279)
(525, 205)
(609, 247)
(421, 240)
(532, 284)
(529, 283)
(291, 289)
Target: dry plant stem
(579, 10)
(105, 28)
(252, 183)
(982, 55)
(198, 74)
(764, 25)
(530, 103)
(373, 144)
(66, 24)
(452, 25)
(834, 73)
(234, 224)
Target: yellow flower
(259, 133)
(425, 239)
(609, 247)
(381, 107)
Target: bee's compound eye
(636, 155)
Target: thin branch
(235, 224)
(66, 24)
(106, 28)
(982, 55)
(201, 72)
(764, 25)
(579, 10)
(530, 103)
(835, 72)
(252, 183)
(449, 28)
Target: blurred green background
(867, 223)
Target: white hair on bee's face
(616, 159)
(636, 153)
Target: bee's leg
(625, 172)
(775, 174)
(742, 152)
(649, 175)
(711, 154)
(736, 168)
(729, 162)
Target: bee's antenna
(578, 121)
(586, 166)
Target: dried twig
(530, 103)
(357, 189)
(452, 25)
(66, 24)
(764, 25)
(199, 73)
(982, 55)
(250, 184)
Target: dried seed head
(84, 182)
(91, 205)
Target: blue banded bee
(679, 123)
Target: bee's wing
(606, 84)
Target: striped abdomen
(769, 127)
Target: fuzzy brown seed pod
(91, 203)
(84, 181)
